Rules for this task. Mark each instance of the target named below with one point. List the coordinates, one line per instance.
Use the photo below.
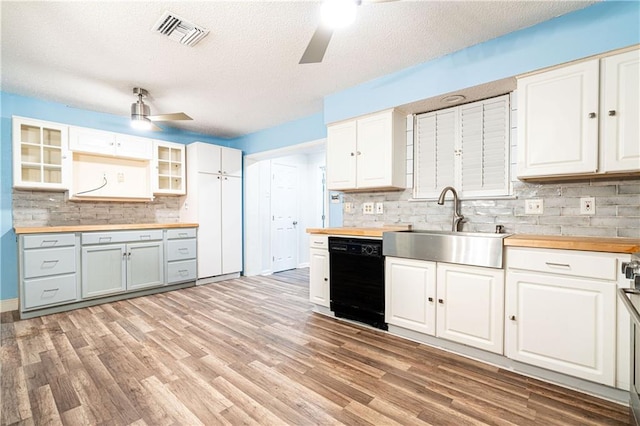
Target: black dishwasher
(356, 282)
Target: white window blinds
(466, 147)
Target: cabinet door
(231, 214)
(374, 151)
(209, 228)
(471, 306)
(620, 111)
(563, 324)
(341, 156)
(204, 157)
(319, 277)
(558, 121)
(91, 141)
(40, 156)
(231, 160)
(169, 176)
(410, 287)
(145, 267)
(134, 147)
(103, 270)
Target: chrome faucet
(457, 217)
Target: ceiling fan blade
(170, 117)
(317, 46)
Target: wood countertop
(601, 244)
(110, 227)
(357, 232)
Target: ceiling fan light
(141, 123)
(338, 13)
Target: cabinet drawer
(121, 237)
(48, 240)
(564, 262)
(181, 271)
(319, 241)
(173, 234)
(55, 261)
(181, 249)
(49, 291)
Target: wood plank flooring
(250, 351)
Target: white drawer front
(173, 234)
(564, 262)
(49, 291)
(121, 236)
(319, 241)
(181, 271)
(48, 240)
(55, 261)
(181, 249)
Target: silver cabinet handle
(612, 112)
(558, 265)
(592, 115)
(183, 250)
(50, 290)
(50, 261)
(145, 237)
(48, 242)
(183, 235)
(104, 240)
(359, 153)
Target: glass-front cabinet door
(170, 168)
(40, 156)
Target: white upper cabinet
(367, 153)
(466, 147)
(40, 156)
(170, 168)
(620, 112)
(91, 141)
(581, 119)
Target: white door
(563, 324)
(319, 276)
(231, 201)
(341, 156)
(471, 306)
(620, 112)
(209, 230)
(374, 153)
(103, 270)
(284, 212)
(145, 265)
(410, 294)
(558, 121)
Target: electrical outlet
(367, 208)
(348, 207)
(534, 206)
(588, 205)
(379, 208)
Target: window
(466, 147)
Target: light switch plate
(379, 208)
(348, 207)
(588, 205)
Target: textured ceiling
(244, 76)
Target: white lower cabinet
(455, 302)
(471, 306)
(558, 319)
(319, 271)
(410, 287)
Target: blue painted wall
(33, 108)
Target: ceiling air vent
(180, 30)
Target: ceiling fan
(141, 117)
(334, 14)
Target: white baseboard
(8, 305)
(303, 265)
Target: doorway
(284, 216)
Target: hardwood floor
(250, 351)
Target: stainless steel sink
(466, 248)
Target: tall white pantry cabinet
(214, 201)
